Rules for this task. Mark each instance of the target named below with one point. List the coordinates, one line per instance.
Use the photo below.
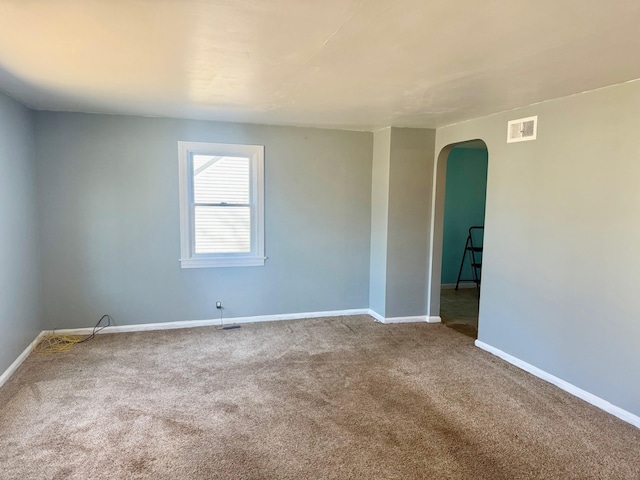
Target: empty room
(319, 240)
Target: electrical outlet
(218, 304)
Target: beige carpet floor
(329, 398)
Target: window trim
(188, 257)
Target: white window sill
(222, 262)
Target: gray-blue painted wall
(379, 220)
(560, 269)
(401, 215)
(109, 220)
(20, 315)
(408, 233)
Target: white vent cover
(522, 130)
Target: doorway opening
(462, 198)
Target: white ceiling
(330, 63)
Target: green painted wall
(464, 206)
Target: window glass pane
(220, 179)
(223, 229)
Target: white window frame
(188, 256)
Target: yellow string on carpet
(54, 343)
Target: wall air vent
(522, 130)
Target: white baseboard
(376, 315)
(18, 361)
(419, 318)
(451, 286)
(415, 319)
(564, 385)
(145, 327)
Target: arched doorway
(457, 244)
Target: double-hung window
(221, 204)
